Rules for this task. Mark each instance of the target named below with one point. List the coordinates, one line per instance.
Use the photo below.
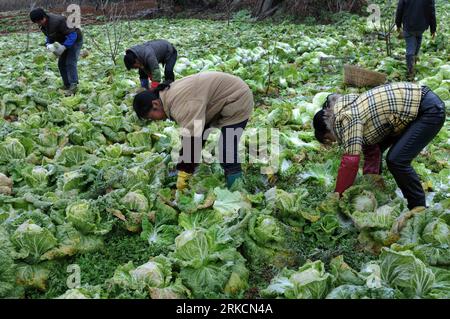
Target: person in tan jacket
(197, 103)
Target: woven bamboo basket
(360, 77)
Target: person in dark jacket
(415, 16)
(70, 41)
(147, 57)
(404, 117)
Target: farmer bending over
(404, 117)
(147, 57)
(64, 42)
(196, 103)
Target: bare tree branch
(114, 30)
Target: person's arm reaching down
(192, 122)
(372, 159)
(433, 17)
(352, 142)
(143, 77)
(153, 65)
(347, 172)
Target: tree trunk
(262, 6)
(265, 8)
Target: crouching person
(147, 56)
(196, 103)
(403, 117)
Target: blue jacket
(416, 15)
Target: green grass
(120, 248)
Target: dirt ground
(18, 21)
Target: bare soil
(19, 21)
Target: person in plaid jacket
(404, 117)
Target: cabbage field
(87, 201)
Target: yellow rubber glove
(427, 186)
(182, 180)
(271, 177)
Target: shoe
(71, 90)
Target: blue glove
(145, 83)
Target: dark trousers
(405, 147)
(413, 41)
(169, 76)
(229, 147)
(67, 63)
(228, 150)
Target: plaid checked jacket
(368, 118)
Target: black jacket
(56, 29)
(151, 54)
(416, 15)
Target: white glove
(59, 50)
(50, 47)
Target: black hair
(129, 59)
(326, 104)
(142, 103)
(37, 15)
(320, 127)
